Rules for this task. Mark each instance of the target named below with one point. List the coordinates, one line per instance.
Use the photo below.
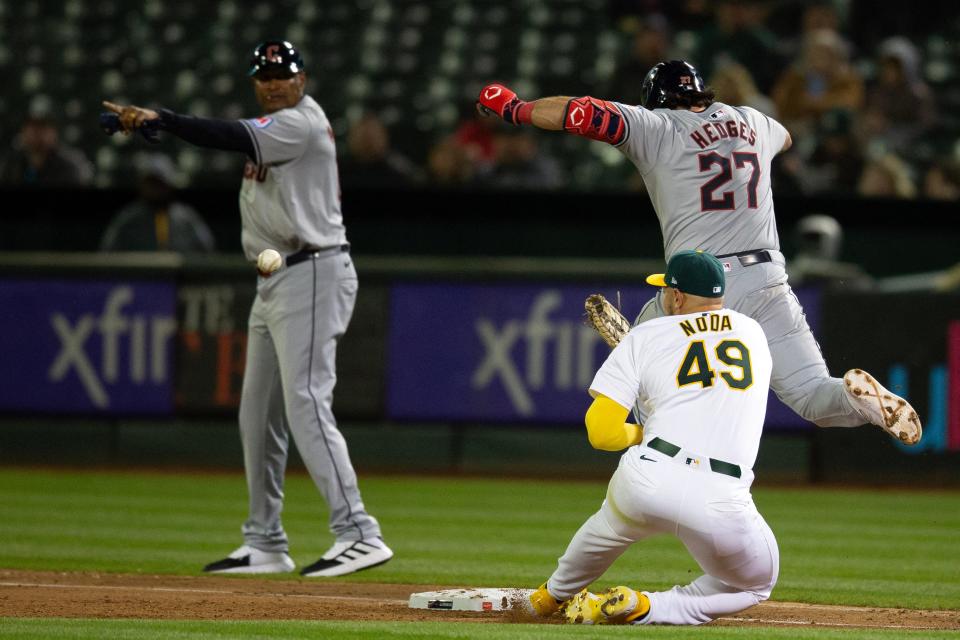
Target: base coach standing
(289, 201)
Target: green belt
(718, 466)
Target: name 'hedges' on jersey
(708, 162)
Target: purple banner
(507, 352)
(87, 346)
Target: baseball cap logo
(273, 53)
(492, 92)
(685, 79)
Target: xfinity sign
(82, 346)
(494, 352)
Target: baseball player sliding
(702, 373)
(706, 166)
(289, 201)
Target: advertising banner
(504, 352)
(86, 346)
(212, 345)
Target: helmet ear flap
(650, 95)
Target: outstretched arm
(228, 135)
(548, 113)
(586, 116)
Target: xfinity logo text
(535, 353)
(116, 349)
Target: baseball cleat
(623, 605)
(543, 604)
(883, 408)
(249, 560)
(583, 608)
(348, 557)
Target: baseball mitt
(606, 319)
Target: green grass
(895, 549)
(203, 630)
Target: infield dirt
(95, 595)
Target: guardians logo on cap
(693, 272)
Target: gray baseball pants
(298, 315)
(800, 377)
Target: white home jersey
(708, 174)
(702, 377)
(290, 198)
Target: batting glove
(498, 100)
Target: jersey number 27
(726, 202)
(695, 367)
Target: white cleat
(883, 408)
(347, 557)
(249, 560)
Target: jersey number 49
(695, 367)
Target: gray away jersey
(290, 198)
(708, 174)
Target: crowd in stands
(854, 93)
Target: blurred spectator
(651, 44)
(886, 176)
(821, 80)
(39, 159)
(155, 221)
(475, 135)
(519, 163)
(370, 161)
(734, 85)
(836, 163)
(820, 14)
(942, 180)
(449, 164)
(812, 15)
(900, 105)
(819, 239)
(738, 34)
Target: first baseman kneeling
(703, 373)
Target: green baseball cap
(693, 272)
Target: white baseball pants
(712, 514)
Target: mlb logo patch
(727, 267)
(262, 123)
(717, 114)
(716, 289)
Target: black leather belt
(307, 254)
(748, 258)
(717, 466)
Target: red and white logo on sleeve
(262, 123)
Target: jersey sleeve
(645, 131)
(279, 137)
(619, 376)
(775, 132)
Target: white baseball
(269, 261)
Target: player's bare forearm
(548, 113)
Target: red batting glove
(498, 100)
